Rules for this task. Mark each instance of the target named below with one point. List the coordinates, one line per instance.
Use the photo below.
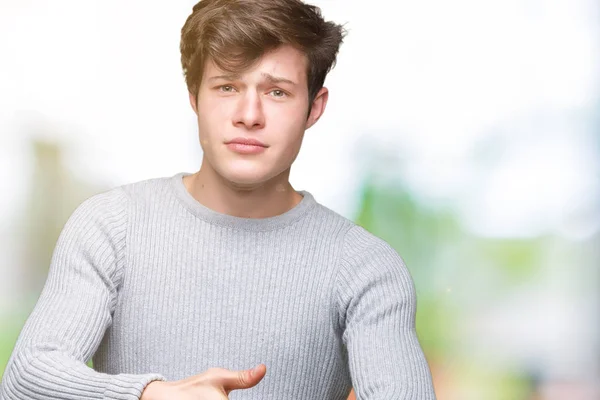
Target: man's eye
(278, 93)
(226, 88)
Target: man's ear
(193, 101)
(317, 107)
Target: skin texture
(252, 105)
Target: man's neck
(272, 198)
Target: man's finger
(242, 379)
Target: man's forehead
(278, 66)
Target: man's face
(268, 103)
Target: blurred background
(465, 133)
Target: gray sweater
(153, 285)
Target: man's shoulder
(361, 247)
(116, 200)
(330, 218)
(147, 188)
(370, 261)
(357, 239)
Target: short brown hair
(234, 34)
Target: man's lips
(247, 142)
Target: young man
(177, 286)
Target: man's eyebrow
(277, 79)
(230, 77)
(267, 76)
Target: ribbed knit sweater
(153, 285)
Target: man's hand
(213, 384)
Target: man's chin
(245, 182)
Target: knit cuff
(128, 386)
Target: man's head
(255, 69)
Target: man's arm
(74, 310)
(377, 304)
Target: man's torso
(195, 295)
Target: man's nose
(249, 111)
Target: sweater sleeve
(377, 306)
(73, 312)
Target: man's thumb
(246, 378)
(258, 372)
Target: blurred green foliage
(11, 326)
